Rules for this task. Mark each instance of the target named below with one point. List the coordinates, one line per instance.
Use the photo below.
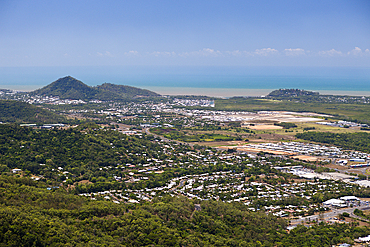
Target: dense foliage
(21, 112)
(291, 93)
(31, 215)
(83, 151)
(109, 91)
(286, 125)
(174, 134)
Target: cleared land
(265, 127)
(306, 158)
(355, 111)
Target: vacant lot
(265, 127)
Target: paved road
(328, 215)
(178, 186)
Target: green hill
(21, 112)
(291, 93)
(67, 88)
(71, 88)
(108, 91)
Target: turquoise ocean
(206, 80)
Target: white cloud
(294, 52)
(356, 52)
(205, 52)
(105, 54)
(132, 53)
(331, 53)
(163, 53)
(208, 51)
(238, 53)
(265, 52)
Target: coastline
(216, 81)
(214, 92)
(232, 92)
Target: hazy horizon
(223, 81)
(313, 45)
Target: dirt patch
(84, 182)
(332, 166)
(274, 137)
(257, 150)
(305, 158)
(356, 171)
(265, 127)
(299, 180)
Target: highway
(330, 215)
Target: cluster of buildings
(342, 202)
(194, 102)
(228, 186)
(343, 124)
(299, 148)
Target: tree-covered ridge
(354, 141)
(21, 112)
(71, 88)
(81, 149)
(31, 215)
(290, 93)
(109, 91)
(304, 96)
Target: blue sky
(222, 33)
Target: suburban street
(330, 215)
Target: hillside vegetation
(21, 112)
(291, 93)
(31, 215)
(71, 88)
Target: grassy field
(360, 112)
(300, 128)
(226, 136)
(196, 136)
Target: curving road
(330, 215)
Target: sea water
(204, 80)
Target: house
(16, 170)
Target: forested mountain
(21, 112)
(71, 88)
(67, 88)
